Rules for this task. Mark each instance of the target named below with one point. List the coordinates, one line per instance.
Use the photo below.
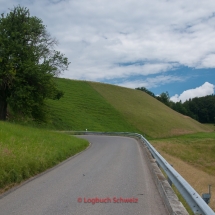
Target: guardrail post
(168, 179)
(170, 182)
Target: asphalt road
(113, 170)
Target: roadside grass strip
(193, 156)
(195, 149)
(25, 152)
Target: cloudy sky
(163, 45)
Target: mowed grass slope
(82, 108)
(147, 114)
(25, 152)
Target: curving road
(112, 171)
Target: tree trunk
(3, 110)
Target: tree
(28, 64)
(164, 98)
(179, 107)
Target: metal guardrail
(194, 200)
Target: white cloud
(151, 82)
(204, 90)
(208, 62)
(97, 36)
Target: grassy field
(82, 108)
(147, 114)
(25, 152)
(211, 126)
(196, 149)
(104, 107)
(193, 156)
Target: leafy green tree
(179, 107)
(28, 64)
(164, 98)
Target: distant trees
(201, 109)
(28, 63)
(179, 107)
(164, 98)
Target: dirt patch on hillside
(198, 179)
(176, 131)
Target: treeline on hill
(201, 109)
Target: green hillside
(146, 113)
(82, 108)
(104, 107)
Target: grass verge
(196, 149)
(25, 152)
(193, 156)
(182, 200)
(180, 197)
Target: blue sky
(163, 45)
